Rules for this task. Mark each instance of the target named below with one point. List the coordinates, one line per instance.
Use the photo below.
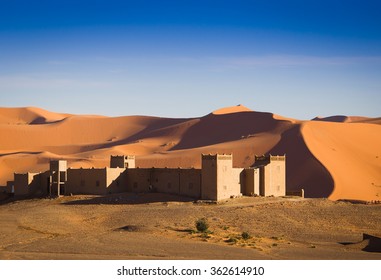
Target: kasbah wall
(216, 180)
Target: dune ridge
(33, 136)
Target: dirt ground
(131, 226)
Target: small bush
(245, 235)
(202, 225)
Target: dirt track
(130, 226)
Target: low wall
(296, 193)
(86, 181)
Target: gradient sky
(186, 58)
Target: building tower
(219, 180)
(272, 175)
(58, 177)
(122, 162)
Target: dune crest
(29, 115)
(231, 110)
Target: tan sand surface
(352, 154)
(131, 226)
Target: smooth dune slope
(31, 137)
(352, 154)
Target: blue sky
(186, 58)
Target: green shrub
(245, 235)
(202, 225)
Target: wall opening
(262, 181)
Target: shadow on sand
(369, 243)
(130, 198)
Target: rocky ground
(130, 226)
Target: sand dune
(231, 110)
(348, 119)
(352, 154)
(335, 157)
(29, 115)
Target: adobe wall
(4, 189)
(275, 177)
(138, 180)
(43, 188)
(86, 181)
(209, 177)
(116, 180)
(26, 183)
(166, 180)
(219, 179)
(8, 188)
(228, 180)
(251, 186)
(122, 161)
(190, 182)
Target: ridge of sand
(231, 110)
(347, 119)
(352, 154)
(29, 115)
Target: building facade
(216, 180)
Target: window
(191, 186)
(135, 185)
(169, 185)
(83, 183)
(97, 183)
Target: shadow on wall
(4, 197)
(132, 198)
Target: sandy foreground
(132, 226)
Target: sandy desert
(131, 226)
(336, 160)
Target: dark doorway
(262, 181)
(62, 189)
(48, 186)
